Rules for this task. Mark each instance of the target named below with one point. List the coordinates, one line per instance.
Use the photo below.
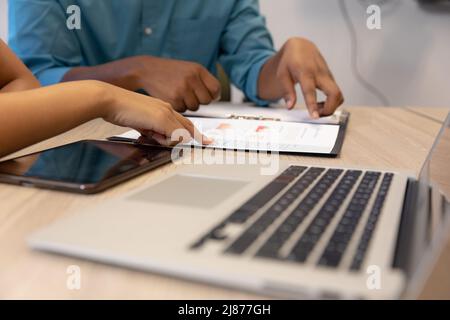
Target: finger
(162, 139)
(176, 102)
(164, 122)
(203, 94)
(167, 123)
(178, 105)
(193, 131)
(179, 129)
(211, 83)
(323, 65)
(333, 94)
(327, 83)
(190, 101)
(146, 137)
(159, 138)
(288, 87)
(143, 132)
(308, 86)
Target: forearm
(14, 76)
(121, 73)
(35, 115)
(21, 84)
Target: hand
(185, 85)
(299, 61)
(152, 117)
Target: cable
(354, 57)
(420, 114)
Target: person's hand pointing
(299, 61)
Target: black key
(317, 227)
(271, 214)
(371, 223)
(242, 214)
(338, 242)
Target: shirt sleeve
(246, 45)
(39, 36)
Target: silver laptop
(306, 232)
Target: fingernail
(288, 102)
(315, 115)
(218, 98)
(207, 140)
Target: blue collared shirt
(230, 32)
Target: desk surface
(384, 138)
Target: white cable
(354, 57)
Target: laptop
(306, 232)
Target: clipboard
(343, 122)
(259, 114)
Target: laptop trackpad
(195, 191)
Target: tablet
(83, 167)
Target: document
(248, 111)
(261, 135)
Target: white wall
(408, 60)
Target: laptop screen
(426, 225)
(436, 170)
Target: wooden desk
(390, 138)
(436, 114)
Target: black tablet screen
(84, 162)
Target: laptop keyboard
(268, 217)
(346, 227)
(275, 242)
(292, 232)
(313, 233)
(371, 222)
(266, 194)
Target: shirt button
(148, 31)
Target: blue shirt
(230, 32)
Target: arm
(185, 85)
(246, 45)
(265, 75)
(122, 73)
(31, 116)
(14, 76)
(34, 115)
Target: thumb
(289, 93)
